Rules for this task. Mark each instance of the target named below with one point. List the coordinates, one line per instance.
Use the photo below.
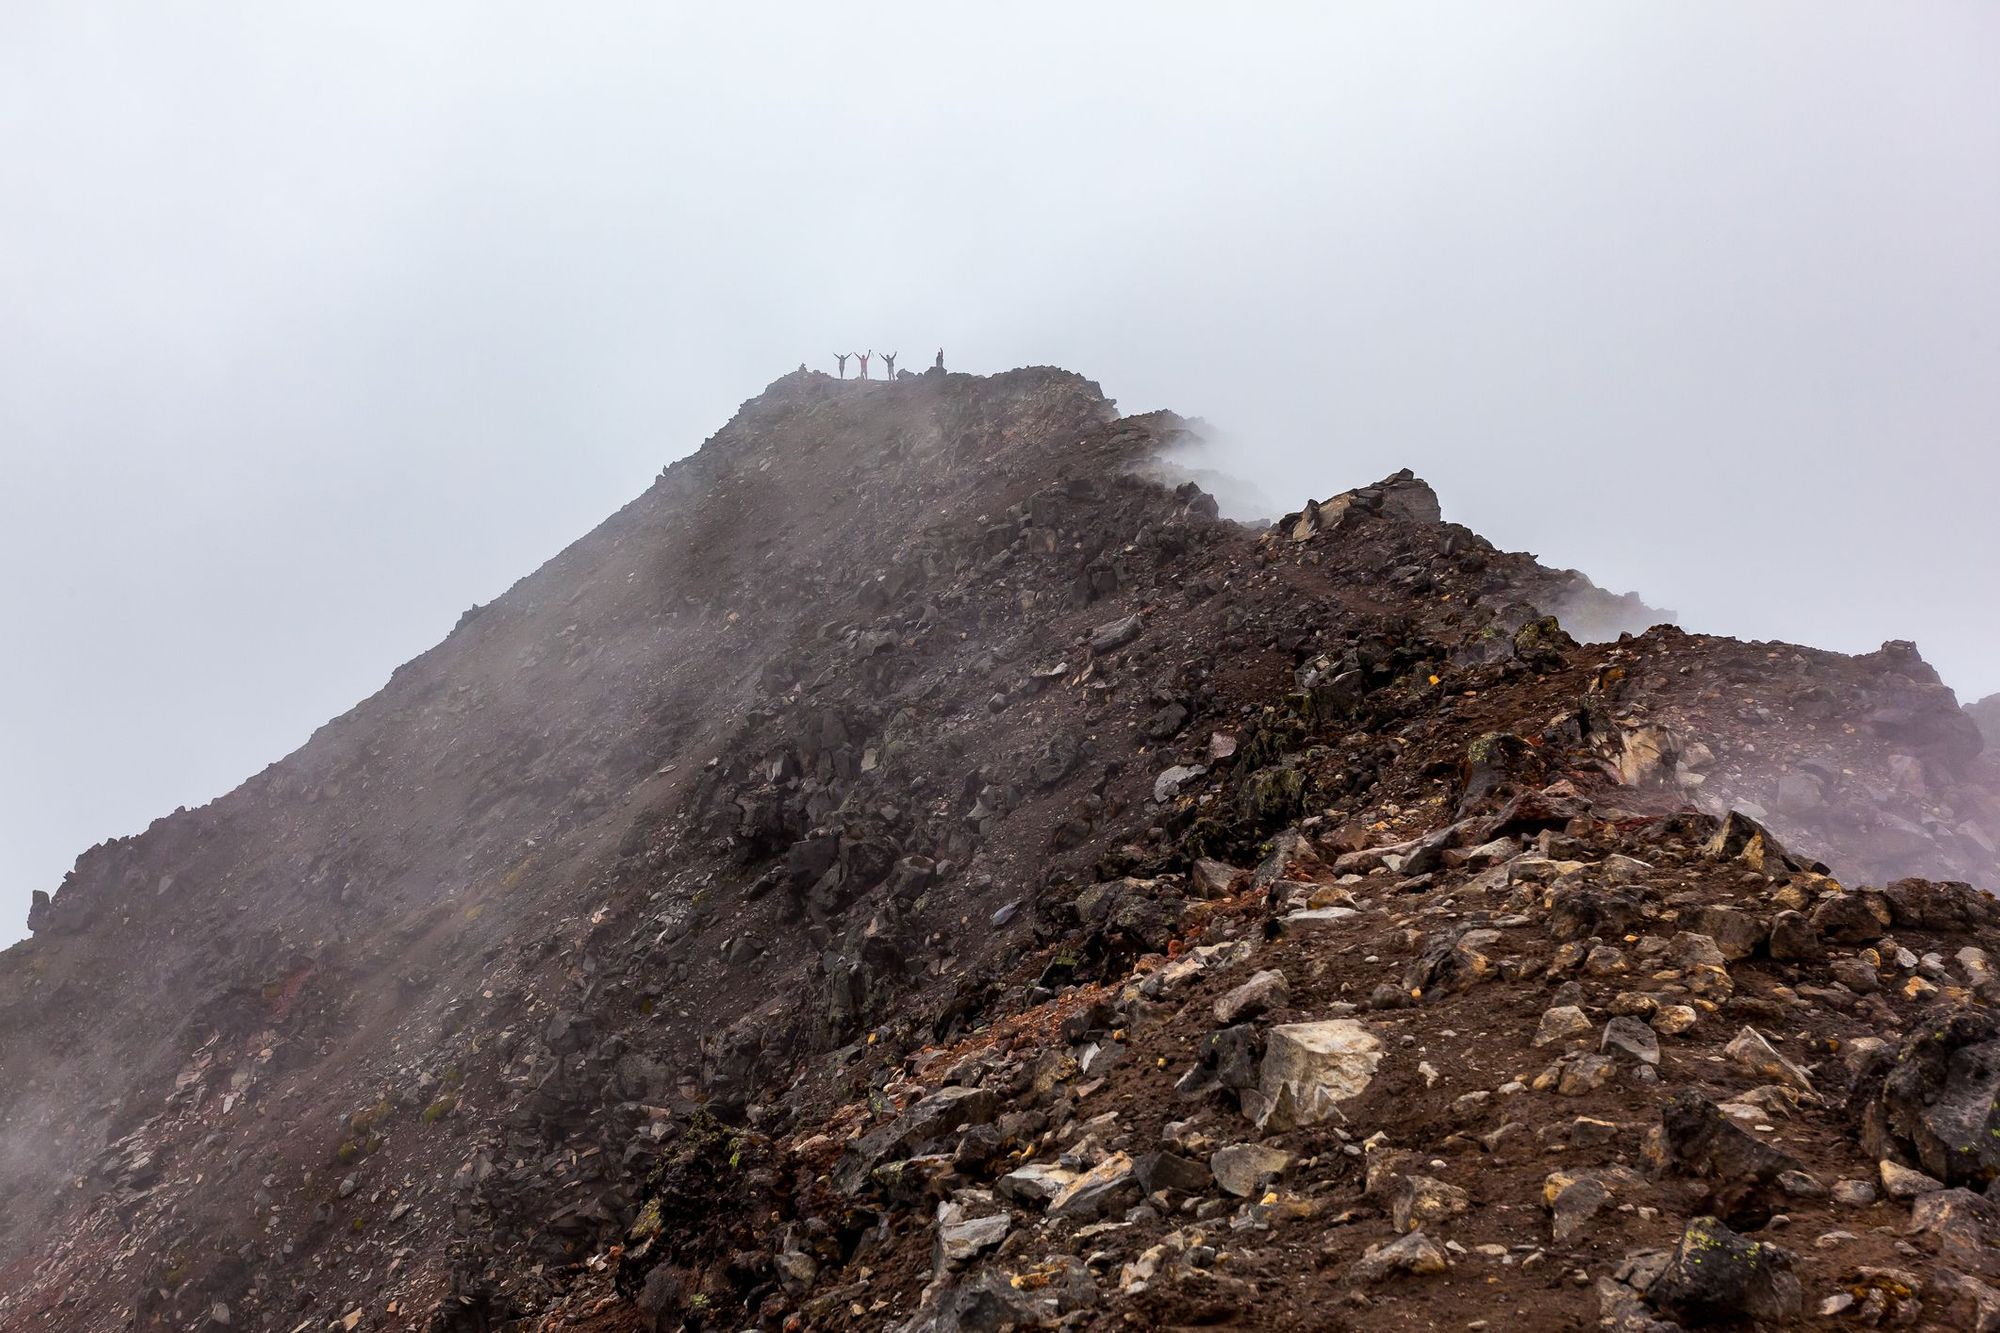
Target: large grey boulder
(1241, 1166)
(1415, 1254)
(1111, 1182)
(1309, 1069)
(1115, 634)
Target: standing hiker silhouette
(940, 361)
(862, 357)
(842, 358)
(889, 360)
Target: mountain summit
(915, 868)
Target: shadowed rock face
(892, 871)
(1985, 715)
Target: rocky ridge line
(1057, 909)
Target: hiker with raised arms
(889, 360)
(862, 357)
(842, 358)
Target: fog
(320, 322)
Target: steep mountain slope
(874, 785)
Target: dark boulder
(1335, 696)
(1853, 917)
(1741, 838)
(1166, 723)
(1169, 1171)
(1227, 1060)
(1948, 906)
(1542, 643)
(911, 876)
(1581, 913)
(809, 858)
(1532, 811)
(1938, 1101)
(1271, 795)
(1738, 1173)
(984, 1303)
(1794, 939)
(1965, 1227)
(1452, 959)
(1736, 932)
(1115, 634)
(1499, 765)
(1057, 760)
(923, 1124)
(859, 972)
(1716, 1277)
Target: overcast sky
(320, 322)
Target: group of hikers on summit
(888, 359)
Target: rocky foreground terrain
(911, 869)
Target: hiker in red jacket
(862, 357)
